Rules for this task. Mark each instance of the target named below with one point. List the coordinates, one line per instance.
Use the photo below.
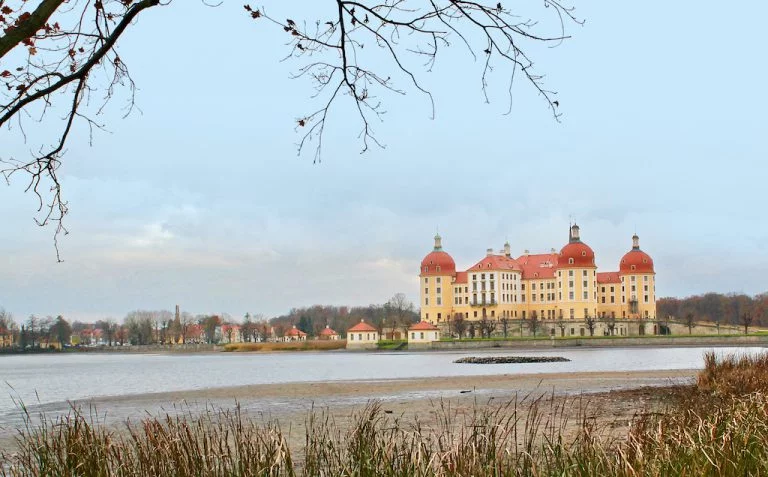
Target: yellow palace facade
(563, 292)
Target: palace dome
(438, 262)
(576, 254)
(636, 261)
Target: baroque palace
(560, 294)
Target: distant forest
(727, 309)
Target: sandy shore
(612, 397)
(506, 384)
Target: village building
(294, 334)
(362, 336)
(558, 294)
(422, 334)
(328, 334)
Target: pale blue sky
(201, 200)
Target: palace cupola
(438, 262)
(636, 261)
(576, 254)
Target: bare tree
(746, 321)
(561, 325)
(610, 323)
(505, 326)
(590, 322)
(402, 310)
(63, 56)
(533, 323)
(459, 325)
(486, 326)
(690, 319)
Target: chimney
(178, 315)
(489, 252)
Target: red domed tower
(437, 262)
(436, 283)
(577, 278)
(638, 283)
(636, 261)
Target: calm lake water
(45, 379)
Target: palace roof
(608, 277)
(541, 265)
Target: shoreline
(679, 341)
(587, 382)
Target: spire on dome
(438, 242)
(574, 235)
(635, 242)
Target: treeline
(398, 312)
(724, 309)
(146, 327)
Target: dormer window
(437, 268)
(570, 261)
(583, 253)
(633, 267)
(426, 269)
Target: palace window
(570, 295)
(570, 261)
(570, 273)
(584, 273)
(438, 290)
(585, 284)
(426, 301)
(586, 295)
(439, 301)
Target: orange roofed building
(362, 336)
(562, 292)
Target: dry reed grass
(309, 345)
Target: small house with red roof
(422, 334)
(328, 334)
(294, 334)
(362, 336)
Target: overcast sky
(199, 198)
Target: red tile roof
(327, 331)
(423, 326)
(608, 277)
(495, 262)
(581, 253)
(362, 326)
(295, 332)
(461, 277)
(636, 261)
(438, 258)
(542, 265)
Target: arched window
(570, 261)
